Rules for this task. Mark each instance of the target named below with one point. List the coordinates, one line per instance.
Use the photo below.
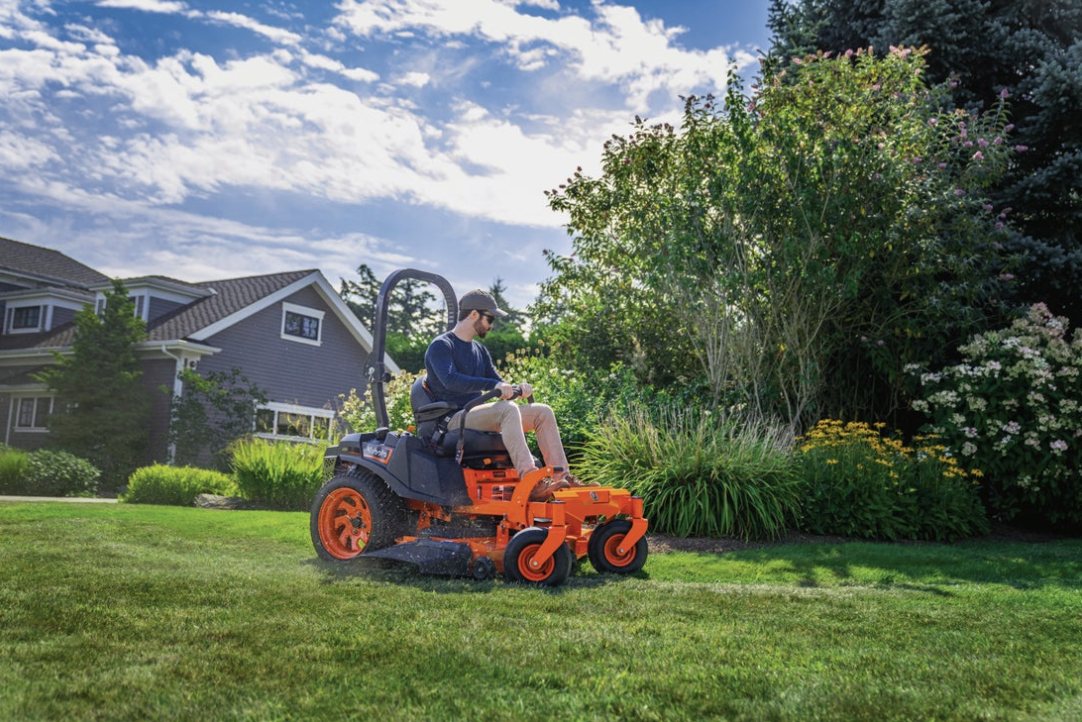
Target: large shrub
(176, 485)
(46, 473)
(1012, 409)
(285, 475)
(698, 476)
(58, 473)
(758, 243)
(859, 483)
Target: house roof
(229, 297)
(45, 265)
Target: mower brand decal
(379, 452)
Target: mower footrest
(444, 558)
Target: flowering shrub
(1012, 409)
(357, 411)
(862, 484)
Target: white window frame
(37, 426)
(288, 308)
(309, 411)
(43, 313)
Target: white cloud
(415, 79)
(151, 6)
(278, 35)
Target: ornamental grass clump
(1012, 408)
(175, 485)
(285, 475)
(860, 483)
(698, 475)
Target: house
(289, 333)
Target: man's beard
(479, 328)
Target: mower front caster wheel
(519, 555)
(607, 551)
(483, 569)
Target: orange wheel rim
(345, 523)
(530, 573)
(612, 551)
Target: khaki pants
(513, 421)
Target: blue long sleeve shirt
(459, 371)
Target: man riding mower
(449, 500)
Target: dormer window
(302, 324)
(27, 317)
(24, 319)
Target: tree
(213, 411)
(1028, 49)
(803, 244)
(100, 383)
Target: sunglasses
(487, 316)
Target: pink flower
(1004, 93)
(988, 207)
(982, 143)
(942, 165)
(999, 224)
(959, 192)
(978, 156)
(997, 141)
(849, 53)
(1006, 276)
(1021, 148)
(933, 121)
(1009, 127)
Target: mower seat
(428, 414)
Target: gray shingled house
(289, 333)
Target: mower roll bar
(376, 366)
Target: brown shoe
(573, 481)
(546, 488)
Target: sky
(203, 140)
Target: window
(32, 412)
(23, 319)
(293, 423)
(302, 324)
(26, 317)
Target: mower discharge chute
(449, 500)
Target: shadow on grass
(931, 568)
(405, 574)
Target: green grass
(127, 612)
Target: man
(460, 369)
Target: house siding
(156, 374)
(160, 306)
(289, 371)
(62, 315)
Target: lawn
(124, 612)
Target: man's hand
(527, 390)
(507, 391)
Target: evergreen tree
(1030, 50)
(104, 407)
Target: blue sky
(212, 139)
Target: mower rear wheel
(520, 552)
(354, 513)
(604, 549)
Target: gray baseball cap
(480, 300)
